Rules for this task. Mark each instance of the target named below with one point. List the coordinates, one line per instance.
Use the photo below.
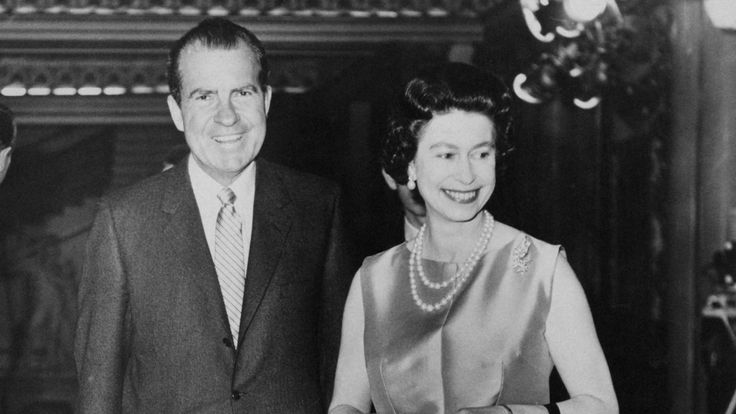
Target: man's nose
(226, 114)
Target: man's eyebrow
(248, 86)
(198, 91)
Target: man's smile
(227, 139)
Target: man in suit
(7, 139)
(157, 332)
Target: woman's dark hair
(214, 32)
(438, 90)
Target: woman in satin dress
(471, 315)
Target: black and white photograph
(368, 206)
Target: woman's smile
(464, 197)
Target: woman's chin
(462, 214)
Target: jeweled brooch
(520, 256)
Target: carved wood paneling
(114, 66)
(155, 32)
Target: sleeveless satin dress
(486, 348)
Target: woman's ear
(411, 171)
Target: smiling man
(216, 286)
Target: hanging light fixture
(540, 83)
(574, 67)
(584, 10)
(722, 13)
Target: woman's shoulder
(504, 234)
(524, 251)
(387, 256)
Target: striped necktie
(229, 261)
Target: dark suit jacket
(152, 334)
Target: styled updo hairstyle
(438, 90)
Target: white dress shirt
(205, 192)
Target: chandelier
(580, 39)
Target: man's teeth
(227, 138)
(461, 195)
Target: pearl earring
(411, 183)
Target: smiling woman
(471, 315)
(455, 164)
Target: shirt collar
(206, 186)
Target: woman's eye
(446, 155)
(482, 155)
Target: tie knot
(226, 196)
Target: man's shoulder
(141, 195)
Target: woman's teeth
(462, 196)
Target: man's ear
(390, 182)
(175, 111)
(267, 97)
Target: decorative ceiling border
(151, 33)
(68, 68)
(322, 9)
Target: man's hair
(215, 32)
(7, 127)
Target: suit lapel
(271, 224)
(187, 242)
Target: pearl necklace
(416, 270)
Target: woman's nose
(226, 114)
(464, 172)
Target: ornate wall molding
(68, 67)
(95, 91)
(113, 75)
(252, 8)
(156, 32)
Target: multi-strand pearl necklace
(416, 270)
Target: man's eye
(202, 97)
(446, 155)
(245, 92)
